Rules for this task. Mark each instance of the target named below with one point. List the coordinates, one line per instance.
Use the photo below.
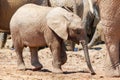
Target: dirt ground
(74, 69)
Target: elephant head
(68, 26)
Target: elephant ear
(58, 23)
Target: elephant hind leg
(34, 59)
(20, 61)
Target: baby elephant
(37, 26)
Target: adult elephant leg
(34, 58)
(3, 39)
(112, 61)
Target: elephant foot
(57, 70)
(37, 66)
(111, 72)
(21, 67)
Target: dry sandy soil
(74, 69)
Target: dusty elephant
(50, 27)
(82, 9)
(110, 21)
(7, 9)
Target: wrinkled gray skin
(7, 9)
(51, 21)
(82, 9)
(110, 21)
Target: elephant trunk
(85, 48)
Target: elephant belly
(34, 40)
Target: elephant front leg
(63, 54)
(34, 59)
(59, 57)
(112, 61)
